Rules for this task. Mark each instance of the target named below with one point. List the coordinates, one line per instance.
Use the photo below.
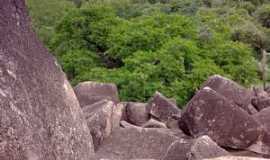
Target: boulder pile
(43, 118)
(221, 120)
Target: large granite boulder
(197, 149)
(232, 91)
(263, 143)
(162, 108)
(209, 113)
(40, 117)
(137, 143)
(137, 113)
(90, 92)
(99, 120)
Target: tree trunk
(40, 117)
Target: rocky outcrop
(91, 92)
(40, 117)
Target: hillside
(42, 117)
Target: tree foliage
(167, 45)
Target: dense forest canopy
(146, 45)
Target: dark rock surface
(232, 91)
(40, 117)
(209, 113)
(91, 92)
(198, 149)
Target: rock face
(198, 149)
(40, 117)
(91, 92)
(209, 113)
(232, 91)
(162, 108)
(137, 143)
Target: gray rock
(91, 92)
(162, 108)
(200, 148)
(40, 117)
(137, 143)
(136, 113)
(99, 120)
(209, 113)
(232, 91)
(152, 123)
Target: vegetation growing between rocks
(167, 45)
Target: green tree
(46, 14)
